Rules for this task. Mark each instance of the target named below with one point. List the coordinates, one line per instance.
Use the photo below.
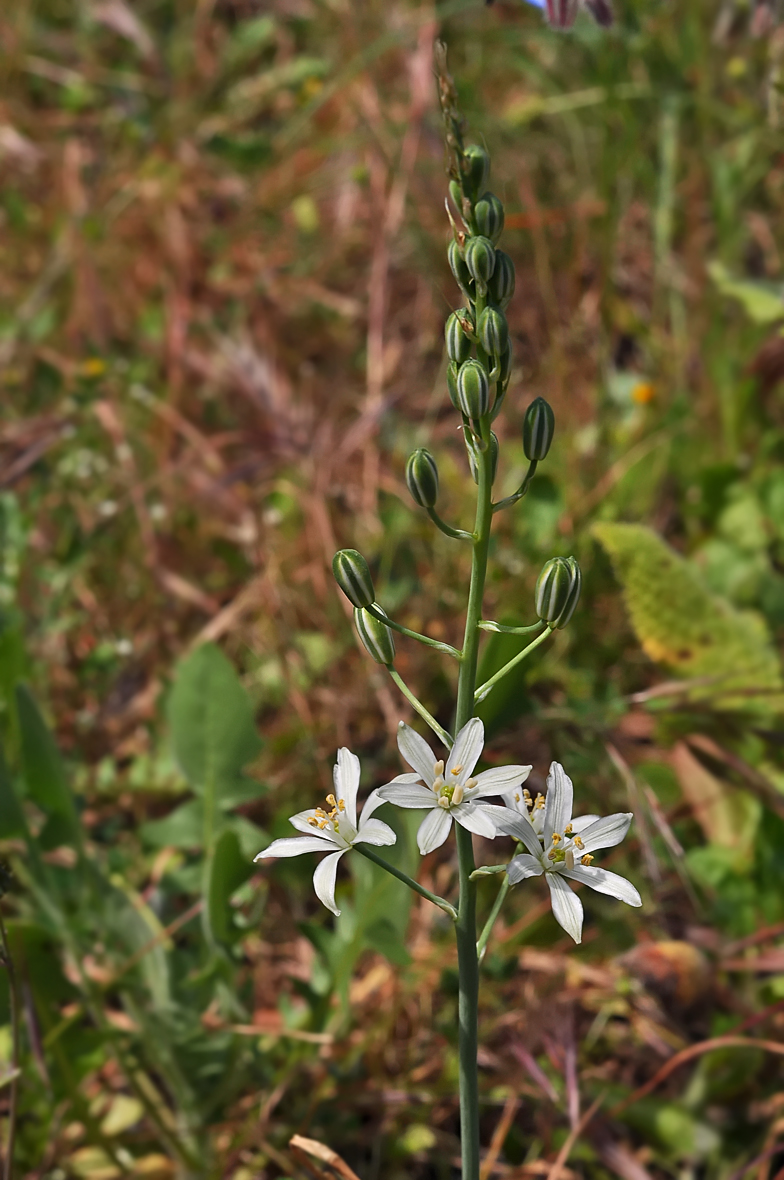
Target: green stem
(437, 729)
(487, 929)
(490, 684)
(13, 999)
(457, 534)
(518, 495)
(401, 876)
(446, 648)
(490, 625)
(465, 928)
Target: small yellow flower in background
(643, 393)
(94, 367)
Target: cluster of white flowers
(558, 846)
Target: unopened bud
(502, 282)
(538, 429)
(505, 364)
(458, 345)
(473, 457)
(489, 216)
(452, 370)
(493, 331)
(477, 169)
(473, 390)
(458, 267)
(558, 591)
(422, 478)
(353, 576)
(480, 260)
(375, 635)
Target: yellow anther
(551, 854)
(443, 801)
(539, 804)
(313, 821)
(321, 813)
(438, 784)
(457, 794)
(517, 796)
(438, 769)
(556, 838)
(568, 830)
(331, 800)
(526, 793)
(342, 804)
(322, 823)
(469, 786)
(587, 859)
(456, 769)
(578, 842)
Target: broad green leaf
(213, 732)
(43, 771)
(762, 302)
(227, 869)
(183, 828)
(692, 632)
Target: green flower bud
(477, 169)
(489, 216)
(456, 193)
(502, 282)
(458, 345)
(493, 331)
(505, 364)
(538, 429)
(353, 576)
(376, 636)
(458, 268)
(480, 260)
(473, 456)
(451, 383)
(558, 591)
(473, 390)
(422, 478)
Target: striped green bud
(422, 478)
(493, 331)
(473, 390)
(458, 267)
(452, 370)
(558, 591)
(477, 169)
(480, 260)
(505, 364)
(502, 282)
(375, 635)
(538, 429)
(489, 216)
(458, 345)
(353, 576)
(473, 462)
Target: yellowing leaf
(727, 816)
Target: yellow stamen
(568, 830)
(322, 823)
(313, 821)
(578, 842)
(456, 769)
(438, 784)
(556, 838)
(443, 801)
(342, 804)
(321, 813)
(331, 800)
(551, 854)
(587, 859)
(517, 796)
(438, 769)
(469, 786)
(457, 794)
(539, 804)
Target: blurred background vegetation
(222, 292)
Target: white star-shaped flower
(560, 846)
(335, 831)
(449, 792)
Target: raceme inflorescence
(444, 783)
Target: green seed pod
(458, 345)
(456, 193)
(353, 576)
(477, 162)
(558, 591)
(458, 268)
(451, 383)
(472, 456)
(473, 390)
(480, 260)
(493, 331)
(502, 283)
(538, 429)
(376, 636)
(422, 478)
(505, 364)
(489, 216)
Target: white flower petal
(371, 804)
(324, 880)
(605, 882)
(559, 802)
(465, 752)
(475, 819)
(581, 822)
(511, 823)
(295, 846)
(346, 779)
(606, 833)
(375, 831)
(524, 866)
(567, 907)
(433, 830)
(416, 752)
(300, 821)
(498, 780)
(407, 796)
